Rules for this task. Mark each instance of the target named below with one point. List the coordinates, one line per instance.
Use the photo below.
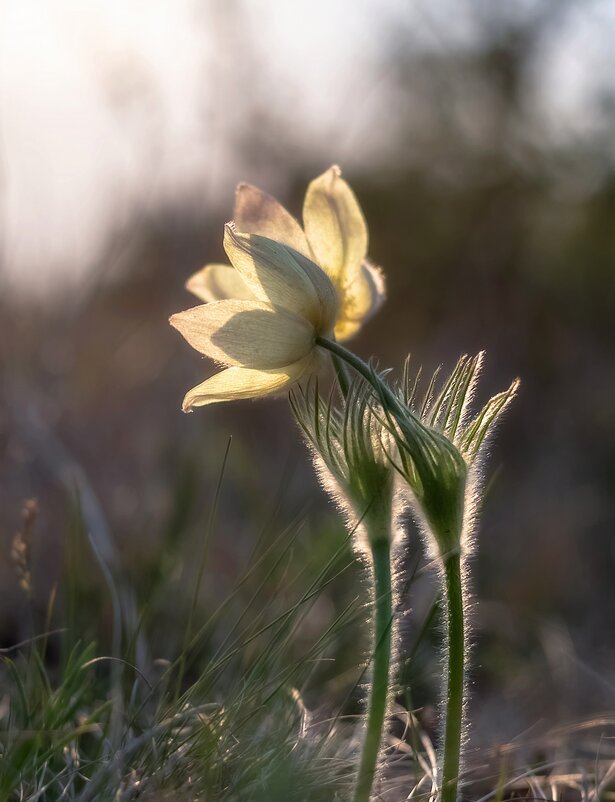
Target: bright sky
(108, 104)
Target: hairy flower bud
(347, 441)
(439, 449)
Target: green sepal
(348, 437)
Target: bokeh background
(479, 139)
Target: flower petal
(325, 291)
(237, 383)
(274, 272)
(335, 227)
(361, 300)
(246, 333)
(215, 282)
(345, 329)
(375, 278)
(256, 212)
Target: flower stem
(342, 375)
(442, 500)
(455, 677)
(362, 368)
(379, 691)
(412, 427)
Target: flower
(350, 451)
(265, 335)
(441, 448)
(334, 236)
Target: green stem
(362, 368)
(455, 677)
(342, 375)
(407, 422)
(379, 691)
(442, 491)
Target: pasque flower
(265, 335)
(441, 467)
(442, 463)
(288, 298)
(349, 447)
(334, 236)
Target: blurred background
(478, 137)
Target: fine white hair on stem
(350, 459)
(346, 441)
(443, 466)
(438, 449)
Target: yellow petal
(328, 299)
(359, 301)
(335, 227)
(274, 273)
(215, 282)
(256, 212)
(237, 383)
(356, 298)
(345, 329)
(375, 278)
(246, 333)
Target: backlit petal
(273, 272)
(256, 212)
(246, 333)
(328, 300)
(335, 227)
(236, 383)
(375, 277)
(360, 301)
(345, 329)
(215, 282)
(356, 301)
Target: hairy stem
(342, 375)
(442, 472)
(455, 677)
(379, 691)
(422, 441)
(338, 351)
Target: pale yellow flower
(265, 333)
(334, 236)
